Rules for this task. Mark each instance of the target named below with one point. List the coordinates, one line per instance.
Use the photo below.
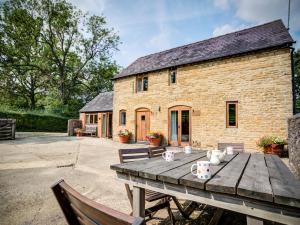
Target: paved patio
(33, 162)
(30, 164)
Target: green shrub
(28, 121)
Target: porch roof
(101, 103)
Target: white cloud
(223, 4)
(261, 11)
(226, 28)
(93, 6)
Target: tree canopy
(52, 55)
(297, 76)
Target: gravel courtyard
(33, 162)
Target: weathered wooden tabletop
(257, 176)
(254, 176)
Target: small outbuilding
(98, 112)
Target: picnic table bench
(257, 185)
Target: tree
(297, 76)
(72, 49)
(20, 52)
(50, 49)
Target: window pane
(232, 115)
(123, 118)
(185, 125)
(145, 84)
(173, 76)
(87, 119)
(139, 84)
(174, 125)
(91, 119)
(95, 118)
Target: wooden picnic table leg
(138, 202)
(254, 221)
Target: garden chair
(237, 147)
(80, 210)
(130, 155)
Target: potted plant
(154, 138)
(78, 131)
(271, 144)
(277, 145)
(124, 136)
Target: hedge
(35, 122)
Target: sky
(149, 26)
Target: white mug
(203, 170)
(188, 149)
(168, 156)
(229, 150)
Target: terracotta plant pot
(123, 139)
(274, 149)
(78, 134)
(277, 149)
(154, 142)
(268, 149)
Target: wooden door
(180, 126)
(142, 124)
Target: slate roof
(273, 34)
(101, 103)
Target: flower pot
(123, 139)
(277, 149)
(268, 149)
(78, 134)
(154, 142)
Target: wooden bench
(7, 129)
(237, 147)
(80, 210)
(90, 129)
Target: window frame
(142, 78)
(171, 70)
(236, 114)
(93, 116)
(120, 117)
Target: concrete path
(33, 162)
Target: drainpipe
(293, 80)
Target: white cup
(229, 150)
(188, 149)
(203, 170)
(168, 155)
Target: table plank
(226, 180)
(133, 167)
(286, 188)
(173, 175)
(163, 166)
(255, 181)
(193, 181)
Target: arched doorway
(142, 123)
(180, 128)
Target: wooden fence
(7, 129)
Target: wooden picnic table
(257, 185)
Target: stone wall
(294, 142)
(260, 82)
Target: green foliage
(266, 141)
(35, 120)
(297, 76)
(53, 56)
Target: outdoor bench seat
(90, 129)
